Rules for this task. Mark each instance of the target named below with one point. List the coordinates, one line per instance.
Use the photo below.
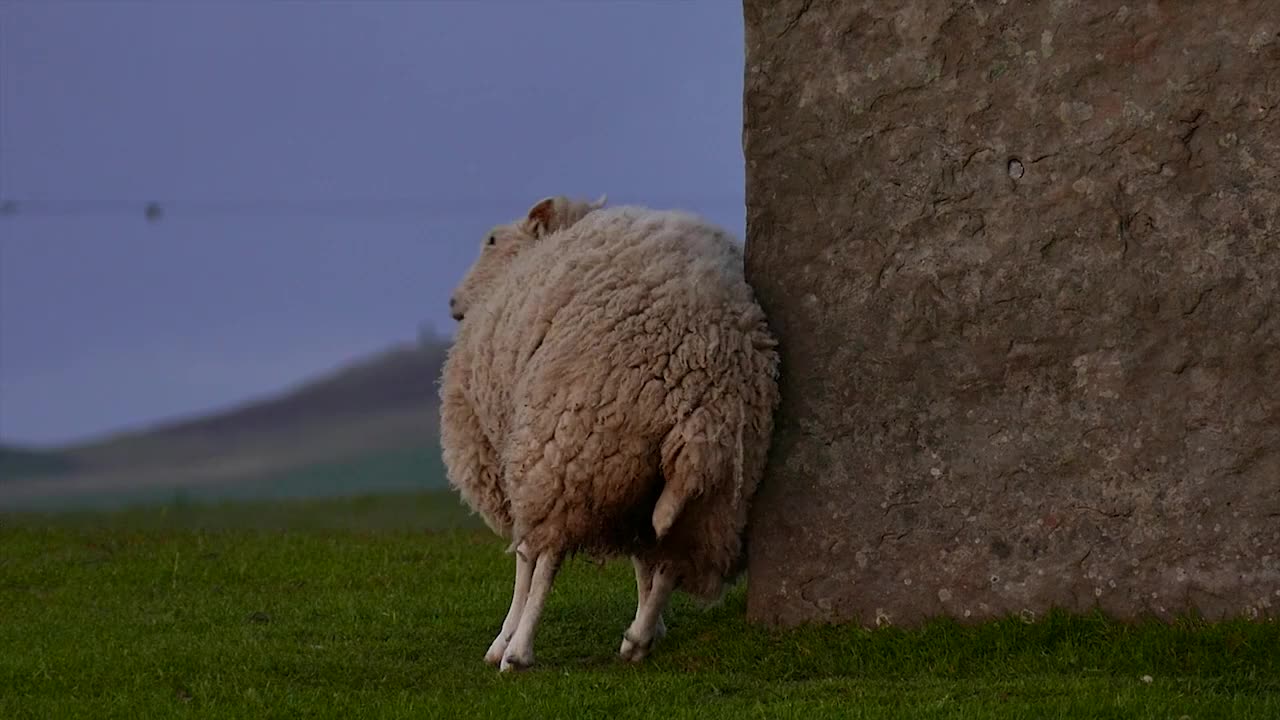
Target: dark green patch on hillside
(17, 462)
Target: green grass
(204, 613)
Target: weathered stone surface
(1024, 258)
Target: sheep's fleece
(606, 357)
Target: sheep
(610, 391)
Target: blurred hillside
(369, 426)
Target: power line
(370, 208)
(154, 210)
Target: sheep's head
(505, 242)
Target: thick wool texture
(607, 358)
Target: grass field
(383, 607)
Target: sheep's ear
(541, 217)
(599, 203)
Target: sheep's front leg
(519, 654)
(524, 576)
(644, 581)
(638, 639)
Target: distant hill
(397, 380)
(358, 416)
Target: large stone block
(1024, 259)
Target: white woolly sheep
(610, 390)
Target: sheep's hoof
(499, 647)
(512, 663)
(632, 649)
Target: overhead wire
(367, 208)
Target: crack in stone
(795, 19)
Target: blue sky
(328, 170)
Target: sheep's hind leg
(519, 654)
(644, 581)
(639, 638)
(524, 576)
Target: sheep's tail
(699, 454)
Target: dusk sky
(327, 169)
